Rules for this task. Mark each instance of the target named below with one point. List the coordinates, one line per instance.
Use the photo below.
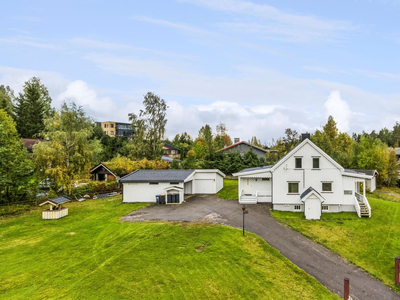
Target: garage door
(204, 186)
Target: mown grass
(230, 190)
(370, 243)
(91, 254)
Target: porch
(255, 189)
(362, 206)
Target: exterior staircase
(364, 211)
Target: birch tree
(69, 152)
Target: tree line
(70, 144)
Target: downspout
(272, 190)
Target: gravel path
(326, 266)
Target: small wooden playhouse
(56, 211)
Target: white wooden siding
(307, 176)
(145, 192)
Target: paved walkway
(327, 267)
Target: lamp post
(244, 212)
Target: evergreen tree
(16, 180)
(206, 134)
(7, 99)
(32, 107)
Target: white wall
(144, 192)
(306, 177)
(207, 182)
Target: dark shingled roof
(309, 190)
(170, 146)
(157, 176)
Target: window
(348, 192)
(298, 162)
(327, 186)
(153, 183)
(112, 125)
(297, 207)
(325, 207)
(112, 132)
(265, 179)
(105, 125)
(174, 183)
(315, 162)
(293, 187)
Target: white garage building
(169, 186)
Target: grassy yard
(371, 244)
(230, 190)
(92, 255)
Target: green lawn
(92, 255)
(371, 244)
(230, 190)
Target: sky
(257, 66)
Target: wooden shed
(56, 211)
(102, 173)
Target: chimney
(237, 140)
(305, 136)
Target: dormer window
(299, 163)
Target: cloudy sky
(257, 66)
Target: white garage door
(204, 186)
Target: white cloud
(338, 108)
(272, 21)
(28, 41)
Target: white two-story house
(305, 180)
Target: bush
(95, 187)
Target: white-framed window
(298, 162)
(112, 132)
(265, 179)
(325, 207)
(327, 186)
(348, 192)
(153, 183)
(171, 183)
(315, 162)
(293, 187)
(297, 207)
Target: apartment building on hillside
(117, 129)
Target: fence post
(397, 270)
(346, 288)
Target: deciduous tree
(69, 152)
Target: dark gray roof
(256, 168)
(157, 176)
(366, 172)
(309, 190)
(59, 200)
(172, 147)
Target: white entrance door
(248, 187)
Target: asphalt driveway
(326, 266)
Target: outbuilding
(56, 211)
(169, 186)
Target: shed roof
(56, 201)
(157, 176)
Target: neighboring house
(305, 180)
(170, 151)
(145, 185)
(102, 173)
(29, 143)
(242, 147)
(117, 129)
(371, 182)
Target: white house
(306, 180)
(170, 185)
